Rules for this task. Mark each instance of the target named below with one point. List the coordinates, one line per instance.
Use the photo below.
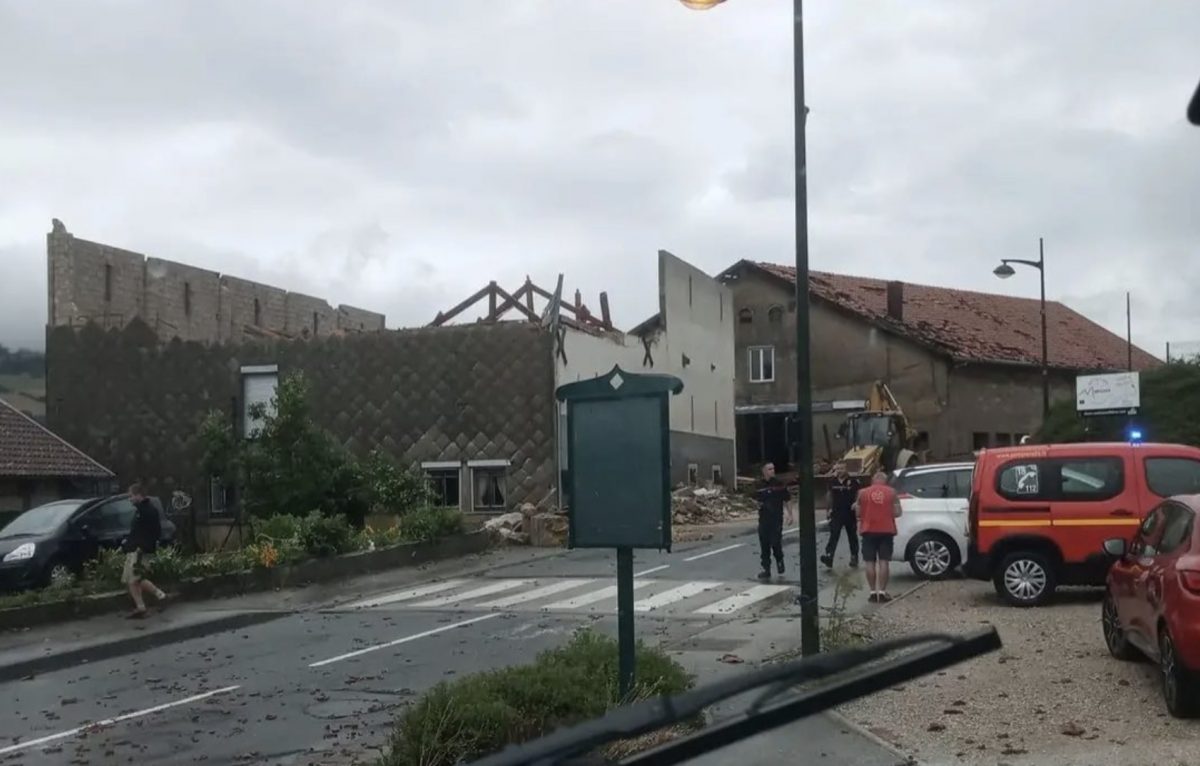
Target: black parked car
(52, 542)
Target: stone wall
(93, 282)
(458, 393)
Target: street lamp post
(1004, 271)
(810, 637)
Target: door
(1128, 578)
(958, 504)
(1092, 498)
(106, 526)
(1173, 542)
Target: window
(718, 478)
(1065, 479)
(979, 440)
(491, 489)
(1177, 528)
(316, 325)
(762, 364)
(111, 518)
(775, 315)
(928, 485)
(187, 299)
(1167, 476)
(1149, 533)
(257, 313)
(445, 479)
(1004, 440)
(258, 395)
(745, 316)
(107, 282)
(693, 474)
(218, 496)
(960, 483)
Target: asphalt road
(317, 686)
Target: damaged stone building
(140, 349)
(964, 366)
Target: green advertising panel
(618, 458)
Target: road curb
(257, 580)
(133, 644)
(866, 733)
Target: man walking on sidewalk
(878, 508)
(772, 497)
(842, 494)
(140, 546)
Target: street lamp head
(1004, 271)
(701, 5)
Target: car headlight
(21, 552)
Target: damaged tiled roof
(975, 326)
(27, 450)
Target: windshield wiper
(941, 650)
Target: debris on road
(702, 505)
(508, 526)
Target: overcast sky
(398, 155)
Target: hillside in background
(23, 380)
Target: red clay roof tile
(975, 326)
(27, 450)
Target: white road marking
(687, 590)
(536, 593)
(593, 597)
(405, 640)
(743, 599)
(405, 595)
(714, 553)
(486, 590)
(107, 722)
(652, 570)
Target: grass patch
(460, 721)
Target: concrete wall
(949, 402)
(92, 282)
(473, 392)
(248, 303)
(182, 301)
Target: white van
(931, 533)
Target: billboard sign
(1112, 394)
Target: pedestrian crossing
(695, 598)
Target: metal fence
(1179, 351)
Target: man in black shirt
(843, 491)
(772, 496)
(140, 546)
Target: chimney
(895, 301)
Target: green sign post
(618, 477)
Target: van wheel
(1025, 578)
(932, 555)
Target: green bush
(325, 535)
(466, 719)
(427, 524)
(387, 488)
(105, 571)
(277, 528)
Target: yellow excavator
(879, 437)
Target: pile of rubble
(701, 505)
(529, 526)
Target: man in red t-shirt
(878, 507)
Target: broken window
(979, 440)
(490, 489)
(745, 316)
(693, 474)
(444, 480)
(775, 315)
(718, 479)
(762, 364)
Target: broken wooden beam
(442, 318)
(604, 315)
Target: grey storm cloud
(399, 155)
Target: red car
(1152, 602)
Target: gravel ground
(1053, 695)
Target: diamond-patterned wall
(471, 392)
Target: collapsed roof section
(524, 302)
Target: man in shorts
(878, 508)
(140, 546)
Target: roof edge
(107, 472)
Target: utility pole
(810, 634)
